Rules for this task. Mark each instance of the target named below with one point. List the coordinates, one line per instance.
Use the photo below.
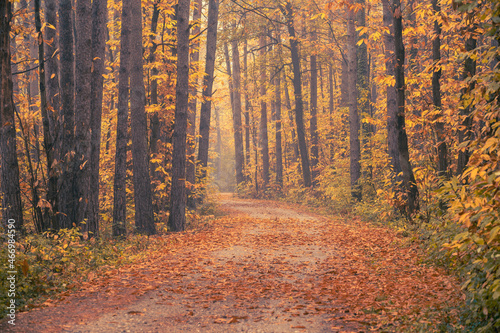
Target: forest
(122, 120)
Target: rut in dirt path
(264, 267)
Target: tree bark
(11, 191)
(247, 105)
(354, 144)
(99, 19)
(67, 118)
(409, 186)
(177, 219)
(119, 187)
(83, 97)
(144, 217)
(191, 147)
(392, 110)
(238, 130)
(442, 150)
(297, 84)
(263, 135)
(464, 133)
(314, 114)
(279, 149)
(45, 220)
(53, 109)
(208, 80)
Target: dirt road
(263, 267)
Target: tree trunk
(464, 134)
(67, 117)
(288, 104)
(409, 190)
(191, 147)
(119, 187)
(238, 131)
(442, 151)
(144, 218)
(99, 19)
(177, 219)
(53, 108)
(154, 122)
(247, 104)
(263, 138)
(279, 150)
(45, 220)
(11, 191)
(392, 110)
(83, 80)
(354, 150)
(314, 115)
(208, 80)
(297, 84)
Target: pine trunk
(67, 118)
(11, 191)
(354, 144)
(263, 135)
(314, 115)
(299, 107)
(119, 187)
(177, 219)
(144, 218)
(409, 187)
(208, 80)
(237, 126)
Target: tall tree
(263, 135)
(238, 130)
(48, 138)
(392, 110)
(144, 217)
(67, 118)
(409, 186)
(99, 19)
(83, 80)
(53, 108)
(119, 186)
(247, 104)
(177, 219)
(314, 112)
(208, 80)
(297, 85)
(11, 191)
(279, 148)
(442, 150)
(465, 131)
(354, 144)
(191, 147)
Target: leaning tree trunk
(67, 117)
(355, 149)
(208, 80)
(119, 187)
(177, 219)
(297, 85)
(11, 191)
(409, 189)
(143, 200)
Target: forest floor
(263, 266)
